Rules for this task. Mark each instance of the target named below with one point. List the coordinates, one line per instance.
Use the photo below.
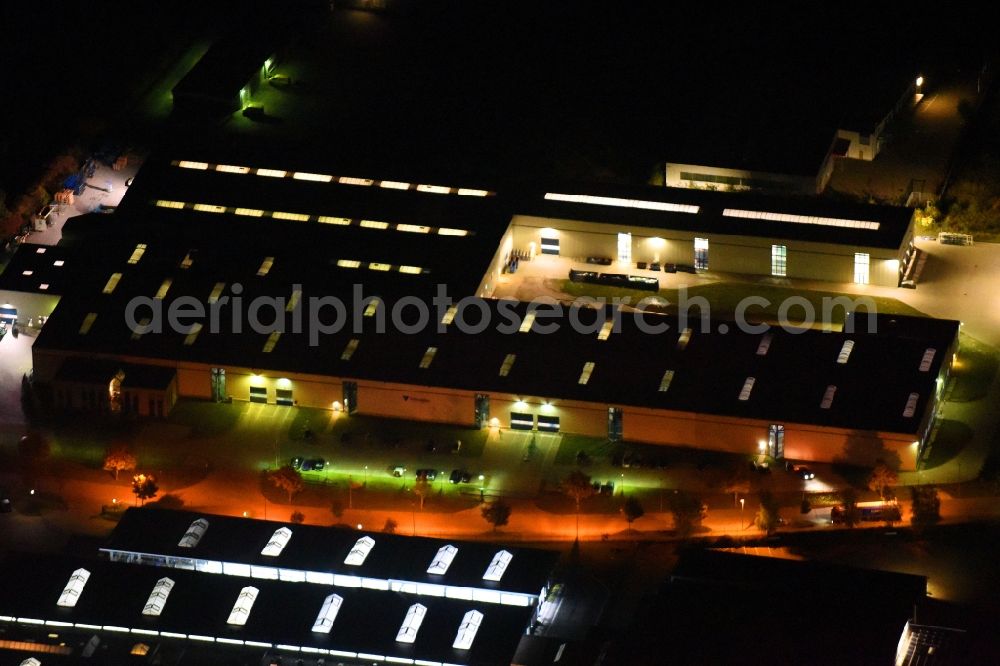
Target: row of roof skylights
(801, 219)
(308, 217)
(622, 203)
(326, 178)
(380, 267)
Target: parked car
(397, 471)
(803, 472)
(313, 464)
(296, 462)
(427, 473)
(460, 476)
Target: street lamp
(366, 475)
(482, 489)
(920, 82)
(742, 502)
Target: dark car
(297, 462)
(428, 474)
(313, 465)
(803, 472)
(460, 476)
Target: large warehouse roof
(155, 603)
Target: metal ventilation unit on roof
(74, 588)
(328, 614)
(911, 405)
(411, 623)
(194, 534)
(158, 597)
(445, 556)
(244, 604)
(277, 543)
(467, 630)
(498, 566)
(927, 360)
(360, 551)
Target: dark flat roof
(323, 549)
(41, 263)
(101, 371)
(283, 613)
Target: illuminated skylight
(927, 360)
(341, 221)
(443, 560)
(845, 352)
(265, 266)
(272, 173)
(372, 307)
(74, 588)
(27, 273)
(294, 217)
(349, 349)
(249, 212)
(229, 168)
(327, 614)
(58, 262)
(316, 177)
(467, 630)
(209, 208)
(213, 297)
(187, 164)
(449, 315)
(411, 623)
(684, 339)
(446, 231)
(277, 543)
(88, 321)
(293, 301)
(413, 228)
(357, 556)
(272, 340)
(411, 270)
(194, 534)
(348, 263)
(507, 364)
(668, 377)
(193, 334)
(345, 180)
(394, 185)
(588, 368)
(498, 566)
(425, 362)
(827, 401)
(374, 224)
(188, 260)
(765, 344)
(747, 388)
(158, 597)
(622, 203)
(161, 293)
(911, 405)
(466, 192)
(164, 203)
(433, 189)
(376, 266)
(529, 320)
(137, 253)
(606, 329)
(143, 323)
(801, 219)
(244, 604)
(109, 286)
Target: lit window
(507, 364)
(665, 381)
(394, 185)
(449, 315)
(445, 556)
(316, 177)
(467, 630)
(927, 360)
(194, 534)
(272, 340)
(229, 168)
(466, 192)
(265, 266)
(378, 267)
(209, 208)
(425, 362)
(112, 282)
(327, 614)
(74, 588)
(845, 352)
(272, 173)
(801, 219)
(433, 189)
(372, 307)
(187, 261)
(348, 263)
(58, 262)
(588, 368)
(295, 217)
(158, 597)
(861, 266)
(341, 221)
(827, 400)
(622, 203)
(445, 231)
(413, 228)
(684, 339)
(277, 543)
(244, 604)
(359, 553)
(747, 388)
(213, 297)
(529, 320)
(249, 212)
(349, 349)
(186, 164)
(345, 180)
(161, 293)
(193, 335)
(374, 224)
(765, 344)
(605, 331)
(137, 253)
(779, 260)
(498, 566)
(411, 624)
(88, 321)
(411, 270)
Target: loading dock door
(548, 423)
(8, 313)
(258, 394)
(284, 397)
(550, 246)
(521, 421)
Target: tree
(119, 459)
(882, 479)
(34, 448)
(767, 516)
(577, 486)
(337, 507)
(497, 513)
(144, 487)
(688, 512)
(421, 488)
(298, 517)
(390, 526)
(286, 478)
(926, 510)
(849, 499)
(633, 510)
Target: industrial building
(218, 233)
